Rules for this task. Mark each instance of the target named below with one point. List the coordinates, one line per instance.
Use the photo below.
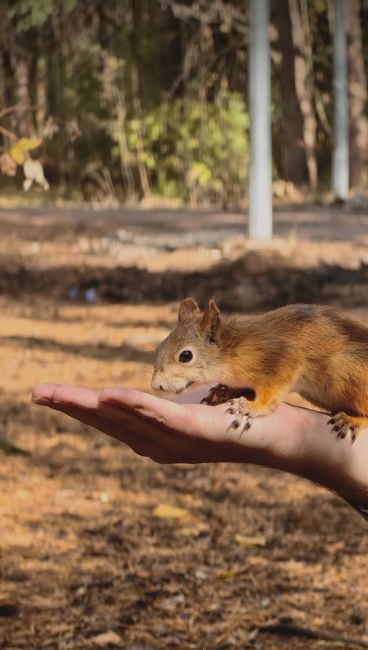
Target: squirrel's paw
(218, 395)
(243, 417)
(221, 393)
(344, 424)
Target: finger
(168, 414)
(65, 394)
(190, 420)
(43, 392)
(66, 398)
(138, 443)
(164, 438)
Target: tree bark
(357, 88)
(304, 89)
(340, 158)
(260, 172)
(22, 92)
(136, 92)
(293, 154)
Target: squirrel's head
(190, 353)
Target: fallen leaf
(194, 530)
(165, 511)
(228, 573)
(105, 638)
(248, 540)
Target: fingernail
(40, 400)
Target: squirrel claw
(221, 394)
(217, 395)
(243, 418)
(342, 424)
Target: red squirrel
(313, 350)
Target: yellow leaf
(17, 154)
(165, 511)
(245, 540)
(27, 144)
(22, 145)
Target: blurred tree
(260, 178)
(340, 160)
(107, 79)
(357, 97)
(293, 152)
(303, 82)
(137, 10)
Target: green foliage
(34, 13)
(136, 89)
(195, 150)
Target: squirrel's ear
(211, 322)
(187, 308)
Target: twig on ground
(295, 630)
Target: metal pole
(340, 158)
(260, 172)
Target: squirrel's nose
(156, 385)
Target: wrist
(337, 464)
(301, 442)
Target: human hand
(165, 431)
(290, 439)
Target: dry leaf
(8, 166)
(228, 573)
(17, 155)
(105, 638)
(17, 151)
(247, 540)
(165, 511)
(193, 529)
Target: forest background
(136, 98)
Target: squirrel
(257, 360)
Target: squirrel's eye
(185, 356)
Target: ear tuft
(211, 322)
(187, 309)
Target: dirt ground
(89, 557)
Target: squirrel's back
(306, 325)
(326, 351)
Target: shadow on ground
(251, 282)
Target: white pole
(340, 157)
(260, 172)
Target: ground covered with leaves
(103, 549)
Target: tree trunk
(136, 92)
(40, 91)
(22, 94)
(293, 160)
(357, 86)
(340, 161)
(304, 89)
(171, 55)
(260, 173)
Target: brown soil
(83, 552)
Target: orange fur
(311, 349)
